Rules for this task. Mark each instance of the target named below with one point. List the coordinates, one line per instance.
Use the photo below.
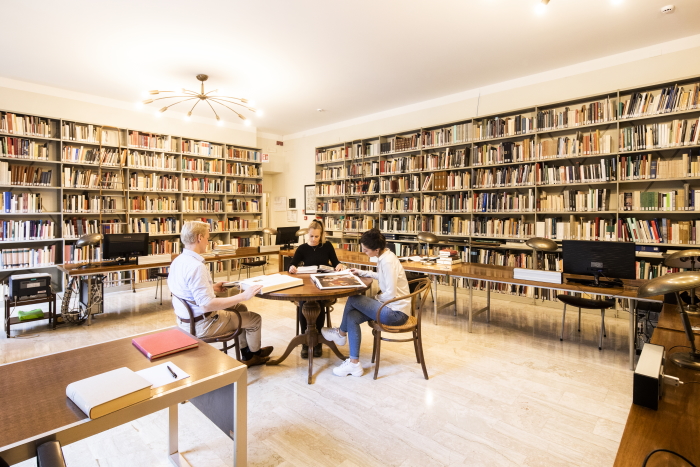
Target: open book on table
(337, 280)
(271, 283)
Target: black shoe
(305, 351)
(256, 360)
(318, 348)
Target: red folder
(164, 343)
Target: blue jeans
(360, 309)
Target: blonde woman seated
(361, 308)
(316, 252)
(189, 279)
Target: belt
(198, 318)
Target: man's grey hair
(190, 231)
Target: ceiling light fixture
(541, 7)
(204, 97)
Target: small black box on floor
(648, 377)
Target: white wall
(36, 103)
(298, 168)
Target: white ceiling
(351, 58)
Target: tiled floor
(508, 394)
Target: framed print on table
(310, 199)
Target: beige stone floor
(508, 394)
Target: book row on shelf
(152, 160)
(74, 177)
(94, 156)
(22, 148)
(18, 258)
(156, 182)
(24, 125)
(684, 199)
(18, 230)
(75, 227)
(153, 226)
(399, 143)
(115, 157)
(13, 203)
(91, 203)
(673, 134)
(572, 227)
(24, 175)
(190, 164)
(586, 200)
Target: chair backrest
(417, 296)
(187, 306)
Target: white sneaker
(349, 368)
(333, 334)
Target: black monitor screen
(124, 245)
(287, 236)
(616, 260)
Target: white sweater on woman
(392, 281)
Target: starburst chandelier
(207, 97)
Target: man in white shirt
(361, 308)
(189, 279)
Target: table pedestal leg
(311, 337)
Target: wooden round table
(311, 296)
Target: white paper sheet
(160, 376)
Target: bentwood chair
(412, 325)
(588, 304)
(224, 339)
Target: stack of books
(449, 257)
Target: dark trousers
(320, 321)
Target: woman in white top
(361, 308)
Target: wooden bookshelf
(575, 169)
(119, 180)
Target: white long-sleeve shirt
(392, 281)
(189, 279)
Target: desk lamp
(676, 283)
(427, 237)
(269, 231)
(88, 240)
(541, 244)
(687, 259)
(301, 232)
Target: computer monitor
(608, 259)
(115, 246)
(287, 236)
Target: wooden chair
(412, 325)
(224, 339)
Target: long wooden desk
(676, 424)
(73, 270)
(504, 274)
(35, 408)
